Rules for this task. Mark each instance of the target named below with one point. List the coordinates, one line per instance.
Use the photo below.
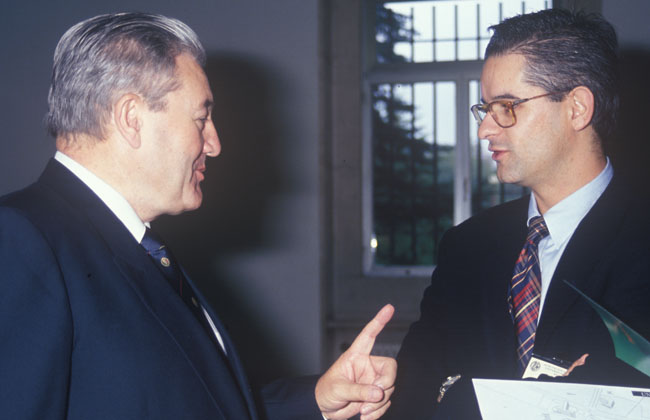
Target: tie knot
(537, 229)
(151, 242)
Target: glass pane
(445, 50)
(422, 52)
(487, 191)
(468, 50)
(441, 30)
(468, 12)
(445, 19)
(404, 50)
(414, 145)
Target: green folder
(630, 346)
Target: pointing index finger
(366, 338)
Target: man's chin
(186, 205)
(195, 201)
(505, 177)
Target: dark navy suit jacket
(465, 327)
(90, 329)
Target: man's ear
(582, 107)
(127, 116)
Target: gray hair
(100, 59)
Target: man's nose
(212, 144)
(488, 127)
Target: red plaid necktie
(524, 293)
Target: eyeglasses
(503, 110)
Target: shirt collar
(113, 200)
(563, 218)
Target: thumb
(362, 393)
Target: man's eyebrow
(505, 96)
(208, 104)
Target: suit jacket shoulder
(93, 330)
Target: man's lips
(497, 153)
(199, 173)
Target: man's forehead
(503, 77)
(191, 73)
(503, 68)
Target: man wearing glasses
(498, 304)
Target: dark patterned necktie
(165, 261)
(525, 292)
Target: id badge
(540, 365)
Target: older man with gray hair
(97, 319)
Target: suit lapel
(503, 252)
(147, 281)
(591, 239)
(232, 356)
(208, 362)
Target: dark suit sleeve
(291, 399)
(35, 324)
(420, 362)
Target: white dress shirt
(562, 220)
(113, 200)
(120, 207)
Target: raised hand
(358, 382)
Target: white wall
(254, 247)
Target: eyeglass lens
(503, 113)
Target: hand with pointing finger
(358, 382)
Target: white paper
(517, 400)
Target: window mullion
(462, 172)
